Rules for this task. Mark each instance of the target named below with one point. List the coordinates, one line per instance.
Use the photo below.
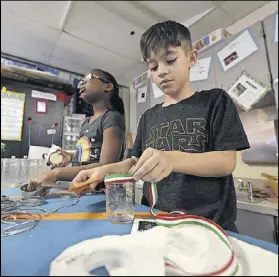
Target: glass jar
(120, 197)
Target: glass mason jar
(120, 197)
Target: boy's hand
(153, 166)
(84, 175)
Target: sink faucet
(250, 192)
(240, 185)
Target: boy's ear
(193, 57)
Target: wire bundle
(8, 205)
(18, 223)
(13, 213)
(33, 201)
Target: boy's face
(170, 69)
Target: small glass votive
(120, 197)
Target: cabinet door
(255, 225)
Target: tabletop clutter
(178, 244)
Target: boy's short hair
(164, 35)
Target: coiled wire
(33, 201)
(13, 213)
(18, 223)
(8, 205)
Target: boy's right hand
(84, 175)
(36, 183)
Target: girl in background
(102, 136)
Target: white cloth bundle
(191, 248)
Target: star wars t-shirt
(207, 121)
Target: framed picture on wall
(41, 106)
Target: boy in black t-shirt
(188, 143)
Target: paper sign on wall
(41, 107)
(142, 92)
(246, 91)
(200, 70)
(51, 131)
(12, 109)
(156, 91)
(237, 50)
(43, 95)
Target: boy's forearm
(120, 167)
(209, 164)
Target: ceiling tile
(127, 11)
(93, 23)
(238, 9)
(90, 56)
(17, 51)
(68, 65)
(24, 33)
(196, 18)
(208, 24)
(46, 12)
(177, 10)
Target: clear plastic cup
(33, 168)
(5, 172)
(120, 197)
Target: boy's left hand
(153, 166)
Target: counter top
(264, 207)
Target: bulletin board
(12, 111)
(255, 65)
(40, 122)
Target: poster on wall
(141, 79)
(246, 91)
(211, 39)
(200, 70)
(157, 93)
(142, 93)
(236, 51)
(275, 28)
(12, 109)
